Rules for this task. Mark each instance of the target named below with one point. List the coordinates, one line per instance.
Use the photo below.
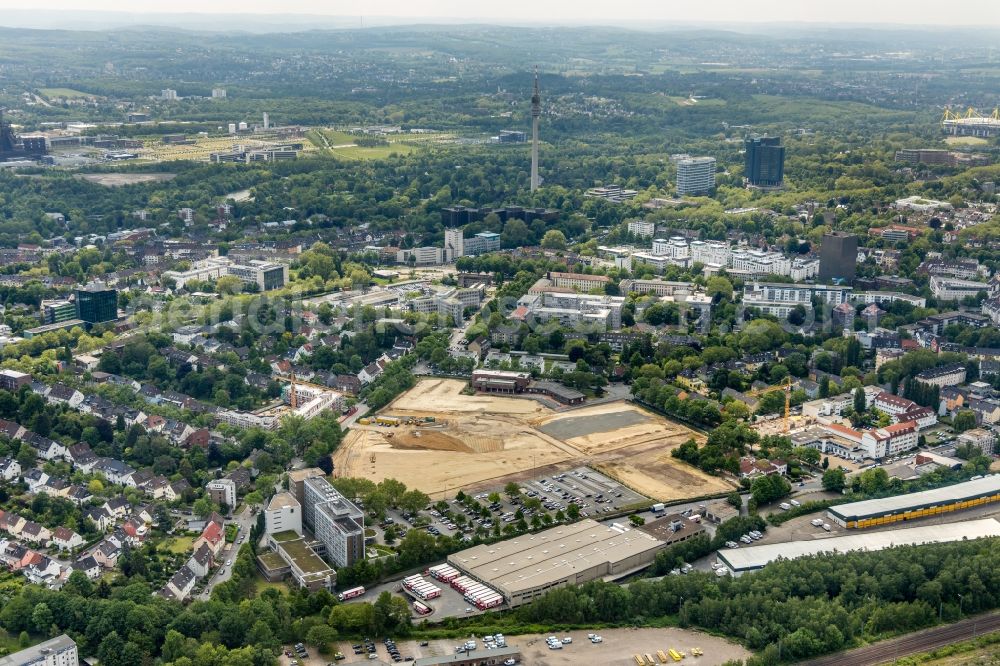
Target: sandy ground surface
(484, 438)
(620, 645)
(121, 179)
(618, 649)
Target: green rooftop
(303, 557)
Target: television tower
(536, 112)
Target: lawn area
(68, 93)
(9, 643)
(260, 585)
(179, 545)
(342, 145)
(966, 141)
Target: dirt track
(490, 440)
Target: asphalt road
(223, 571)
(921, 641)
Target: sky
(913, 12)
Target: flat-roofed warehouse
(529, 566)
(888, 510)
(752, 558)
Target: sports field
(485, 438)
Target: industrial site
(459, 441)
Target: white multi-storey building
(888, 441)
(421, 256)
(676, 248)
(283, 513)
(641, 228)
(710, 253)
(695, 175)
(953, 289)
(58, 651)
(266, 275)
(780, 299)
(336, 522)
(454, 244)
(602, 313)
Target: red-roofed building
(888, 441)
(893, 404)
(753, 467)
(213, 536)
(843, 431)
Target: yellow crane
(786, 386)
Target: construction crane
(786, 386)
(293, 398)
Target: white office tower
(267, 121)
(218, 93)
(454, 244)
(695, 175)
(232, 128)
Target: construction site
(439, 440)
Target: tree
(834, 479)
(735, 500)
(322, 636)
(203, 507)
(873, 480)
(512, 489)
(413, 500)
(769, 488)
(964, 420)
(859, 401)
(554, 240)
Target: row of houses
(205, 554)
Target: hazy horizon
(637, 13)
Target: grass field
(179, 545)
(344, 146)
(966, 141)
(260, 585)
(68, 93)
(477, 439)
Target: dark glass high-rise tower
(96, 303)
(764, 164)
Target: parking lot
(615, 649)
(592, 493)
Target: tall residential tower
(536, 112)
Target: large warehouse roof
(988, 485)
(755, 557)
(534, 560)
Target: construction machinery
(786, 386)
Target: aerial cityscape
(470, 342)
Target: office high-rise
(695, 175)
(96, 303)
(838, 256)
(764, 164)
(454, 244)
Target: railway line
(921, 641)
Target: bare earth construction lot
(486, 438)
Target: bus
(351, 593)
(421, 608)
